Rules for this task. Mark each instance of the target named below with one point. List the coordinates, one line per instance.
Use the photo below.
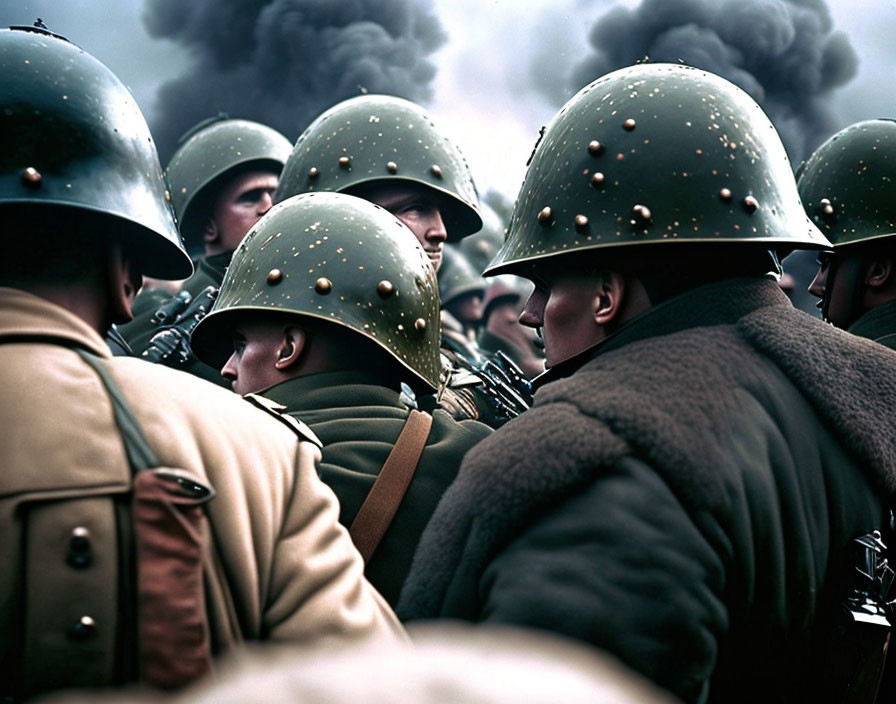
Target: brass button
(79, 549)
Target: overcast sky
(482, 93)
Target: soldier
(222, 179)
(501, 330)
(847, 189)
(686, 489)
(388, 151)
(330, 328)
(461, 290)
(150, 519)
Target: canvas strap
(169, 529)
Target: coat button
(83, 628)
(79, 552)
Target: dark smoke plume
(283, 62)
(784, 53)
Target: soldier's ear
(123, 282)
(291, 347)
(210, 231)
(608, 300)
(880, 272)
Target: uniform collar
(26, 316)
(876, 323)
(330, 389)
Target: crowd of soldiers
(266, 396)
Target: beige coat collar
(25, 315)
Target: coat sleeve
(317, 585)
(620, 565)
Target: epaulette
(275, 409)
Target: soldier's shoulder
(182, 398)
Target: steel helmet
(377, 138)
(653, 154)
(481, 247)
(73, 140)
(210, 153)
(338, 258)
(457, 277)
(848, 185)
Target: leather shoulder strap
(378, 509)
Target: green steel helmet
(339, 258)
(848, 185)
(457, 277)
(653, 154)
(372, 138)
(481, 247)
(209, 154)
(73, 143)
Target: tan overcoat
(280, 567)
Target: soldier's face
(256, 349)
(835, 284)
(418, 207)
(563, 307)
(240, 204)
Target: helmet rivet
(826, 207)
(598, 179)
(420, 324)
(392, 167)
(385, 288)
(436, 170)
(275, 276)
(725, 194)
(546, 216)
(581, 222)
(323, 286)
(641, 215)
(750, 204)
(344, 162)
(313, 172)
(595, 148)
(628, 125)
(31, 177)
(167, 197)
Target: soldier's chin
(436, 259)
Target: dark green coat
(685, 499)
(878, 324)
(358, 422)
(209, 271)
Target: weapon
(866, 623)
(171, 345)
(504, 384)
